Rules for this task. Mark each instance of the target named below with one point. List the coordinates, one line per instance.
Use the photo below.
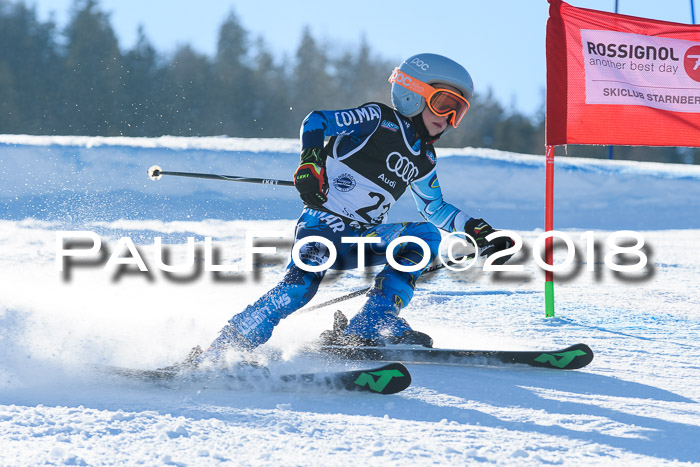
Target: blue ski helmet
(431, 69)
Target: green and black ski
(387, 379)
(571, 358)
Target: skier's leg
(393, 289)
(253, 326)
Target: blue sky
(501, 43)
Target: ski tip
(571, 358)
(583, 361)
(387, 379)
(583, 347)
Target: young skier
(349, 184)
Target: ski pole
(363, 291)
(155, 173)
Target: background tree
(235, 100)
(188, 101)
(272, 111)
(361, 77)
(480, 125)
(314, 87)
(93, 73)
(142, 85)
(29, 69)
(79, 82)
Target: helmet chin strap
(422, 130)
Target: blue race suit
(373, 155)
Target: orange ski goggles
(442, 102)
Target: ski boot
(378, 320)
(339, 336)
(410, 337)
(336, 335)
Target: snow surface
(638, 402)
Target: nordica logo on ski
(356, 116)
(384, 377)
(560, 360)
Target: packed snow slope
(638, 402)
(88, 179)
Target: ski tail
(160, 374)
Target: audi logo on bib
(401, 166)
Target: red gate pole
(549, 226)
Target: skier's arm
(428, 196)
(319, 124)
(445, 216)
(310, 178)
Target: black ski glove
(479, 229)
(310, 178)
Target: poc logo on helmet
(399, 77)
(420, 64)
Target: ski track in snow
(637, 402)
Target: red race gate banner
(617, 79)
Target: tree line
(78, 81)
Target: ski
(387, 379)
(570, 358)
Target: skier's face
(434, 123)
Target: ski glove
(479, 229)
(310, 179)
